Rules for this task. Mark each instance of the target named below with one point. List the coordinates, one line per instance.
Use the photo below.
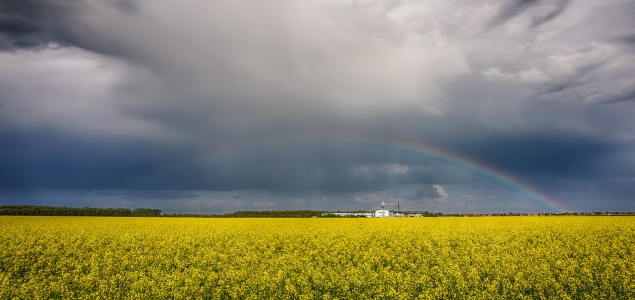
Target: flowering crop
(426, 258)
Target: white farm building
(349, 214)
(382, 213)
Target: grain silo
(382, 213)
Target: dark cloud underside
(229, 105)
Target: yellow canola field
(427, 258)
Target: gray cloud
(509, 10)
(416, 192)
(625, 95)
(550, 15)
(127, 6)
(34, 24)
(546, 12)
(157, 195)
(628, 39)
(321, 102)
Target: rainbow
(420, 148)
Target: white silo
(382, 213)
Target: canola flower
(423, 258)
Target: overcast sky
(217, 106)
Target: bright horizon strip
(490, 172)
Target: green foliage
(32, 210)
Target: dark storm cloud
(510, 9)
(513, 8)
(626, 95)
(52, 160)
(35, 23)
(127, 6)
(46, 160)
(151, 100)
(417, 192)
(628, 39)
(158, 195)
(578, 77)
(552, 155)
(539, 20)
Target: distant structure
(384, 204)
(350, 214)
(382, 213)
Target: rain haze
(218, 106)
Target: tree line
(33, 210)
(256, 214)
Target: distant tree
(146, 212)
(32, 210)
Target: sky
(216, 106)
